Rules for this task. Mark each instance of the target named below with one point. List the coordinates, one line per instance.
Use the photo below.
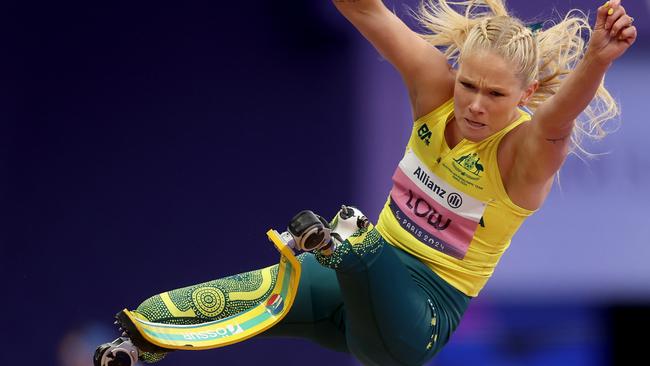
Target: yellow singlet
(448, 207)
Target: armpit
(556, 140)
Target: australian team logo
(275, 304)
(471, 163)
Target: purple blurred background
(148, 147)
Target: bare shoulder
(433, 92)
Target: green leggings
(369, 299)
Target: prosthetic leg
(306, 232)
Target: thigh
(389, 317)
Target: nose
(476, 105)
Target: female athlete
(497, 106)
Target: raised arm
(425, 71)
(545, 142)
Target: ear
(528, 92)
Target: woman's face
(486, 95)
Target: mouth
(474, 124)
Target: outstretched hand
(613, 32)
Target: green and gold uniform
(391, 294)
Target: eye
(467, 85)
(496, 94)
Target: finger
(622, 22)
(628, 35)
(616, 13)
(601, 16)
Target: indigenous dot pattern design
(147, 357)
(365, 241)
(207, 301)
(335, 259)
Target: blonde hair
(547, 55)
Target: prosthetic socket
(310, 232)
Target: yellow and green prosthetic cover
(363, 296)
(216, 313)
